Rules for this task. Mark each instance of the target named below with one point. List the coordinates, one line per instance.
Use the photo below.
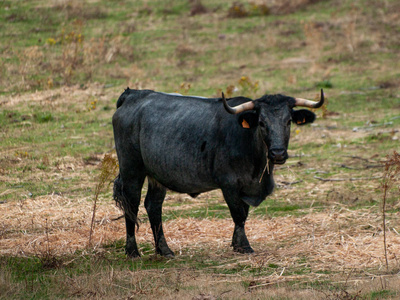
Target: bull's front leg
(239, 212)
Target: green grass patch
(383, 294)
(212, 210)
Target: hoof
(163, 249)
(167, 253)
(132, 254)
(244, 250)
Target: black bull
(193, 145)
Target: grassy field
(64, 63)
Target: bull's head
(271, 116)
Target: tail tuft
(122, 202)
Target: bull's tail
(134, 95)
(122, 202)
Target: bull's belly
(189, 189)
(189, 181)
(185, 185)
(178, 169)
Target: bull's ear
(302, 116)
(248, 119)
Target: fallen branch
(291, 182)
(361, 158)
(369, 127)
(355, 168)
(287, 184)
(347, 179)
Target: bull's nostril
(278, 154)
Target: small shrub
(229, 91)
(184, 88)
(260, 9)
(237, 10)
(43, 117)
(248, 87)
(240, 10)
(244, 87)
(92, 104)
(109, 169)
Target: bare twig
(47, 239)
(93, 216)
(384, 232)
(117, 218)
(266, 164)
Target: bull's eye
(289, 122)
(261, 123)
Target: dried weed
(391, 176)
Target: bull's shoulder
(132, 95)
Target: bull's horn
(309, 103)
(237, 109)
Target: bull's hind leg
(127, 192)
(153, 204)
(239, 212)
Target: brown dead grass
(333, 240)
(57, 97)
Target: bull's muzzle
(278, 156)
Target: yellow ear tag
(245, 124)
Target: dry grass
(339, 245)
(391, 174)
(335, 240)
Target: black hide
(192, 145)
